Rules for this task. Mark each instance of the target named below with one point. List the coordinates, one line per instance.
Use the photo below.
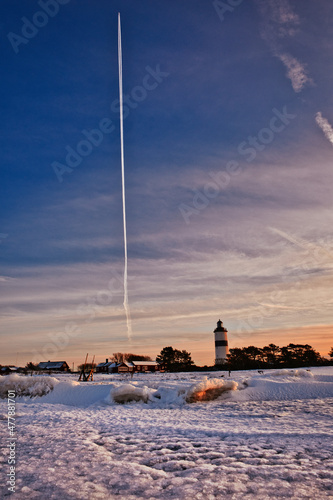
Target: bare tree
(120, 357)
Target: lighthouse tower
(221, 343)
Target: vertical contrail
(126, 306)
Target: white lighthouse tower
(221, 343)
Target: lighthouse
(221, 343)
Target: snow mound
(292, 373)
(128, 392)
(26, 386)
(204, 390)
(284, 385)
(209, 389)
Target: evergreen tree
(174, 359)
(272, 356)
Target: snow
(264, 436)
(129, 392)
(27, 386)
(209, 389)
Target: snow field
(168, 449)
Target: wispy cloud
(296, 72)
(280, 22)
(325, 126)
(279, 19)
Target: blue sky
(228, 163)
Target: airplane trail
(316, 249)
(120, 67)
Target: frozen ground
(271, 438)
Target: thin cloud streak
(296, 72)
(325, 126)
(280, 22)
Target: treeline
(239, 358)
(273, 356)
(120, 357)
(247, 358)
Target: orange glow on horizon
(320, 337)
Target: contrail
(120, 66)
(303, 244)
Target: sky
(228, 136)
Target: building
(139, 366)
(107, 367)
(147, 366)
(125, 367)
(58, 366)
(5, 370)
(129, 367)
(221, 343)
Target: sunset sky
(228, 165)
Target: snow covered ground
(266, 436)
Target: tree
(87, 367)
(174, 359)
(120, 357)
(270, 354)
(167, 357)
(238, 359)
(137, 357)
(184, 358)
(31, 366)
(331, 354)
(295, 355)
(254, 355)
(310, 356)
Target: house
(125, 367)
(147, 366)
(139, 366)
(5, 370)
(58, 366)
(107, 367)
(129, 367)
